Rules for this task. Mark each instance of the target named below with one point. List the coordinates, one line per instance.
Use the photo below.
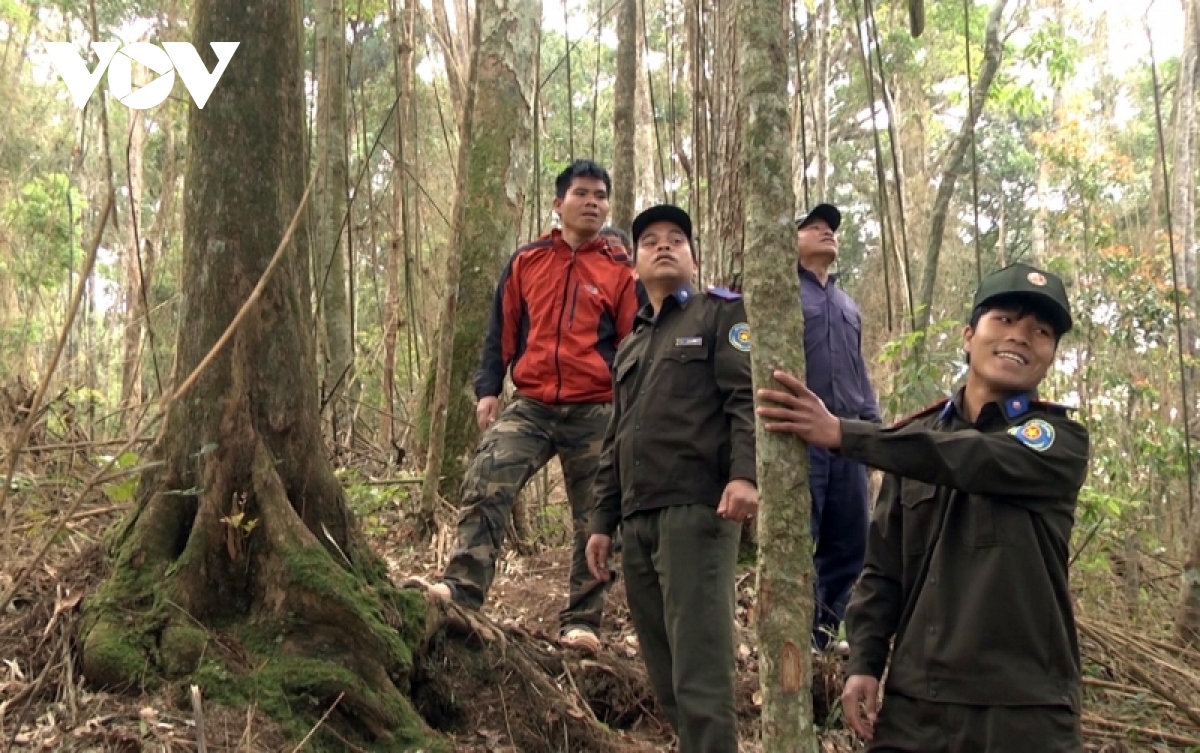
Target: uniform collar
(830, 278)
(1012, 407)
(682, 297)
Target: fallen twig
(320, 721)
(1144, 732)
(198, 714)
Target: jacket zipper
(558, 333)
(574, 303)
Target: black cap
(827, 212)
(662, 213)
(1024, 280)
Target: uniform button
(933, 581)
(932, 630)
(637, 427)
(933, 694)
(637, 462)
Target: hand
(739, 501)
(861, 690)
(802, 413)
(486, 411)
(598, 547)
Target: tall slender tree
(784, 612)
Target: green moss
(181, 648)
(297, 691)
(313, 569)
(116, 656)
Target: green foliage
(926, 363)
(42, 216)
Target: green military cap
(1029, 282)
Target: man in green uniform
(967, 560)
(677, 472)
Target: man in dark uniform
(837, 372)
(678, 473)
(967, 561)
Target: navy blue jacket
(836, 370)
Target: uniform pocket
(686, 370)
(920, 515)
(623, 379)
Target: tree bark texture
(329, 204)
(243, 529)
(784, 612)
(993, 53)
(728, 214)
(624, 99)
(403, 30)
(496, 183)
(443, 374)
(131, 368)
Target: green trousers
(679, 567)
(909, 725)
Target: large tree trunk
(244, 525)
(784, 613)
(329, 204)
(624, 98)
(993, 52)
(499, 161)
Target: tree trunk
(1187, 624)
(784, 613)
(624, 99)
(404, 34)
(821, 98)
(499, 161)
(244, 525)
(728, 215)
(131, 368)
(329, 205)
(1183, 211)
(993, 52)
(649, 188)
(443, 374)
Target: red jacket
(557, 319)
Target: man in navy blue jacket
(837, 373)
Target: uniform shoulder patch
(1036, 434)
(739, 336)
(724, 294)
(927, 410)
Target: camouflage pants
(524, 438)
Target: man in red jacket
(563, 305)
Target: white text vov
(165, 61)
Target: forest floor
(1142, 693)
